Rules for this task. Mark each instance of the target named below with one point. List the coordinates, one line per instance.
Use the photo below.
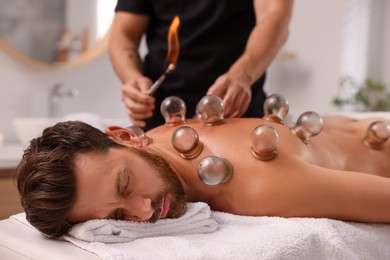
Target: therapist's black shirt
(212, 35)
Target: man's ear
(123, 136)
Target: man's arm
(265, 40)
(307, 190)
(126, 34)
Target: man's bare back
(303, 180)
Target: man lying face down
(74, 173)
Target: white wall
(310, 81)
(25, 90)
(386, 44)
(332, 39)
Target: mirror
(54, 31)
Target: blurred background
(333, 48)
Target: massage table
(20, 241)
(237, 237)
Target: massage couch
(234, 237)
(20, 241)
(201, 234)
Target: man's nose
(143, 210)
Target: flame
(173, 41)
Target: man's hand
(139, 104)
(235, 94)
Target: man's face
(123, 184)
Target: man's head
(75, 172)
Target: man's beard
(173, 188)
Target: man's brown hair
(45, 175)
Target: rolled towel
(197, 219)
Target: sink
(27, 128)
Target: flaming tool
(161, 79)
(173, 53)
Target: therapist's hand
(235, 93)
(139, 105)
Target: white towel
(197, 219)
(266, 238)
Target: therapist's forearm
(126, 62)
(125, 58)
(264, 43)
